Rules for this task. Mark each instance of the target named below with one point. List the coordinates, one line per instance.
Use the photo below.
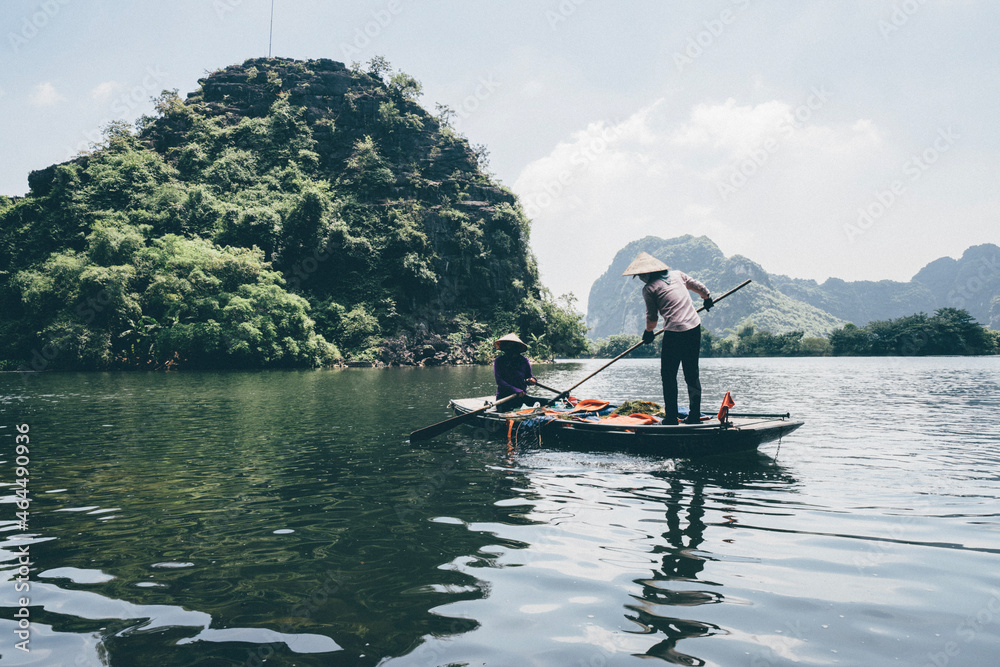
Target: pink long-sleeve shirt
(672, 301)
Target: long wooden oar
(437, 429)
(448, 424)
(554, 391)
(428, 432)
(628, 351)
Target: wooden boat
(738, 433)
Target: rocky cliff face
(781, 304)
(616, 305)
(971, 282)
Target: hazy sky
(857, 139)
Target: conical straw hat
(645, 263)
(510, 338)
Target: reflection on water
(682, 561)
(610, 561)
(81, 605)
(693, 489)
(228, 518)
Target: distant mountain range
(780, 304)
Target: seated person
(512, 371)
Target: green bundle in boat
(632, 407)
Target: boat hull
(739, 434)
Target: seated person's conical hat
(510, 338)
(645, 263)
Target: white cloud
(103, 92)
(770, 181)
(45, 95)
(731, 127)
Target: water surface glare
(283, 518)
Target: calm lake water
(283, 518)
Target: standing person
(666, 294)
(512, 371)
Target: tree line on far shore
(949, 331)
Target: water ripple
(225, 518)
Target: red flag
(727, 403)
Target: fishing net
(524, 433)
(525, 427)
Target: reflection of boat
(734, 473)
(737, 433)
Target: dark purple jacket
(511, 374)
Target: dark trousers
(680, 348)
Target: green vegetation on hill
(286, 213)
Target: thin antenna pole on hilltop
(270, 34)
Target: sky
(847, 138)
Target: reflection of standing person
(683, 561)
(666, 294)
(512, 371)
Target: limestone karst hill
(284, 213)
